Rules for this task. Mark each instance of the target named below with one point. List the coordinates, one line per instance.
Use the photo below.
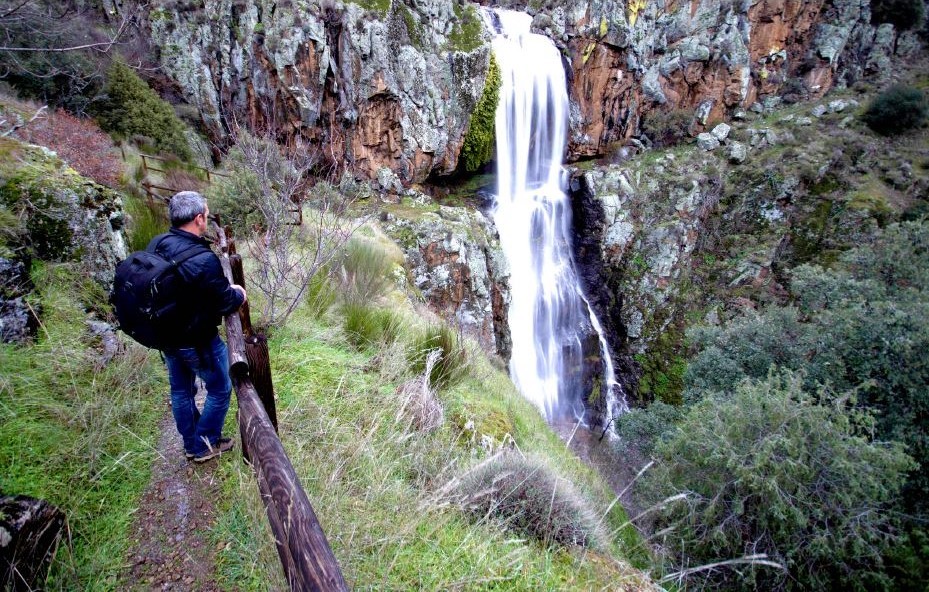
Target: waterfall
(553, 328)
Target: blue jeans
(211, 363)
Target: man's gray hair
(185, 206)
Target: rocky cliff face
(392, 84)
(456, 263)
(379, 85)
(710, 57)
(701, 233)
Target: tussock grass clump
(528, 497)
(146, 221)
(419, 401)
(320, 294)
(452, 363)
(367, 326)
(365, 270)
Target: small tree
(132, 108)
(265, 200)
(770, 471)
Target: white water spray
(552, 325)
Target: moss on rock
(478, 147)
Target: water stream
(553, 328)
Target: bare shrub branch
(294, 223)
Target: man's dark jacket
(208, 295)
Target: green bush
(897, 110)
(643, 429)
(451, 366)
(529, 498)
(861, 327)
(768, 470)
(902, 14)
(132, 108)
(667, 127)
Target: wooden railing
(306, 557)
(151, 189)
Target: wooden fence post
(304, 551)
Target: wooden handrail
(306, 557)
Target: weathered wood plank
(305, 554)
(302, 545)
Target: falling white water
(550, 319)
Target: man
(198, 350)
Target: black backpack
(148, 296)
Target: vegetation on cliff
(132, 108)
(789, 338)
(480, 139)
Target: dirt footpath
(171, 548)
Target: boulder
(736, 152)
(707, 141)
(721, 132)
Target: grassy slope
(373, 480)
(77, 437)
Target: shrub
(367, 326)
(643, 429)
(452, 363)
(897, 110)
(667, 127)
(767, 470)
(530, 499)
(902, 14)
(132, 108)
(79, 142)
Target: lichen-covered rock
(67, 217)
(18, 322)
(691, 235)
(456, 263)
(396, 86)
(376, 89)
(737, 152)
(707, 141)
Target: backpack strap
(186, 254)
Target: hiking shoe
(222, 445)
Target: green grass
(81, 438)
(366, 326)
